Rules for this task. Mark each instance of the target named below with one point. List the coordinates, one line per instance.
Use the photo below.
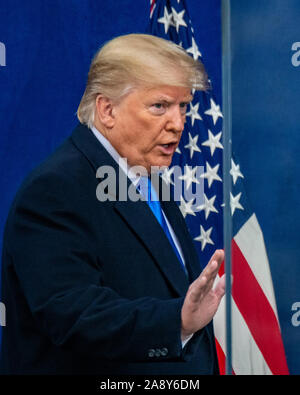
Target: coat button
(151, 353)
(164, 352)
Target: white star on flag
(178, 19)
(192, 145)
(213, 142)
(189, 176)
(214, 111)
(235, 202)
(167, 20)
(194, 50)
(235, 172)
(193, 113)
(204, 237)
(208, 206)
(211, 174)
(186, 207)
(166, 175)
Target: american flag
(257, 346)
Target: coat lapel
(140, 218)
(179, 226)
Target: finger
(201, 287)
(220, 287)
(207, 276)
(211, 270)
(214, 262)
(218, 256)
(196, 288)
(211, 274)
(204, 282)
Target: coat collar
(140, 218)
(85, 141)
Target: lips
(168, 149)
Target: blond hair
(134, 60)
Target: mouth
(168, 149)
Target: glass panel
(265, 173)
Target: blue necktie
(154, 204)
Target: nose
(176, 120)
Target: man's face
(148, 125)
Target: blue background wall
(49, 46)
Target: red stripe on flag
(222, 269)
(221, 358)
(257, 312)
(152, 5)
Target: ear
(105, 111)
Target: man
(101, 286)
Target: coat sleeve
(52, 253)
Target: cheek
(147, 134)
(140, 130)
(152, 140)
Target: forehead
(167, 93)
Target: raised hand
(202, 300)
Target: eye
(183, 107)
(158, 108)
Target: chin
(164, 163)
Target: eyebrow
(168, 99)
